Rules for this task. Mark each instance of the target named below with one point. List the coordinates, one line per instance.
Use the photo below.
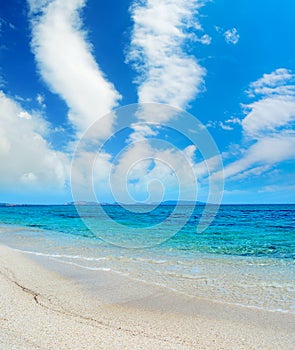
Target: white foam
(61, 255)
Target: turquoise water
(246, 256)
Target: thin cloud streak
(168, 74)
(66, 63)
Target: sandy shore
(64, 307)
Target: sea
(245, 257)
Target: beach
(46, 305)
(147, 157)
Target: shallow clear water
(247, 255)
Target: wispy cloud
(226, 125)
(41, 100)
(275, 107)
(2, 82)
(267, 125)
(151, 171)
(205, 39)
(268, 114)
(167, 73)
(267, 151)
(232, 36)
(66, 63)
(279, 82)
(277, 188)
(5, 23)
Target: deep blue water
(242, 230)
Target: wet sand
(48, 305)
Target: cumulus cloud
(168, 74)
(66, 63)
(27, 160)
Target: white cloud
(28, 177)
(146, 168)
(256, 171)
(278, 188)
(24, 115)
(90, 171)
(22, 99)
(224, 126)
(267, 125)
(65, 60)
(168, 74)
(234, 120)
(141, 132)
(205, 39)
(264, 153)
(268, 114)
(27, 160)
(281, 81)
(276, 106)
(4, 22)
(231, 36)
(38, 5)
(41, 100)
(2, 82)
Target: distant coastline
(86, 203)
(166, 203)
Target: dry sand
(40, 308)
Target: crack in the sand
(82, 319)
(29, 291)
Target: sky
(66, 64)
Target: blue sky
(65, 64)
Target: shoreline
(259, 283)
(44, 304)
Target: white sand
(41, 309)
